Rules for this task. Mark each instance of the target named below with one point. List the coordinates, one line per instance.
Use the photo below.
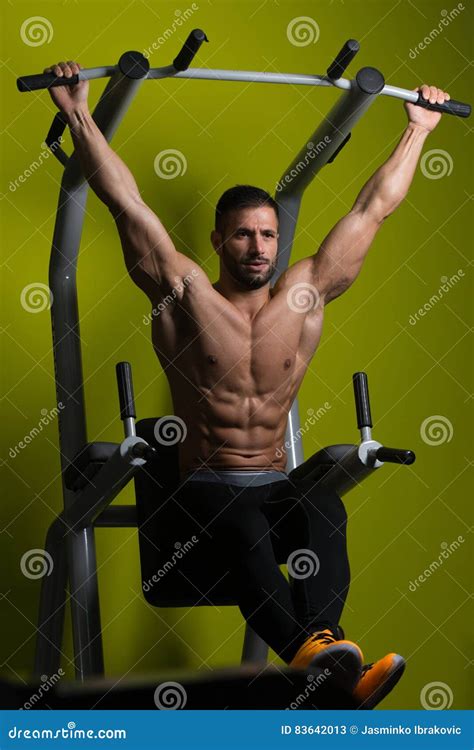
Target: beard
(243, 275)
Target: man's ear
(216, 240)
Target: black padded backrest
(165, 584)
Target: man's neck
(248, 301)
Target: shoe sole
(343, 662)
(385, 688)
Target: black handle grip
(183, 60)
(44, 81)
(125, 389)
(53, 139)
(395, 456)
(361, 395)
(343, 58)
(451, 107)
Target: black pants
(252, 530)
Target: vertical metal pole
(113, 104)
(315, 154)
(52, 606)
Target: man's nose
(256, 243)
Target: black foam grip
(451, 107)
(361, 394)
(125, 389)
(396, 455)
(44, 81)
(343, 58)
(56, 130)
(183, 60)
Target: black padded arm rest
(87, 463)
(320, 463)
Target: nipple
(212, 359)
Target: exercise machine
(94, 473)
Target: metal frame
(70, 540)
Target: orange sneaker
(378, 680)
(342, 658)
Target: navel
(287, 363)
(212, 359)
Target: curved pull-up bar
(180, 65)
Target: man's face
(248, 245)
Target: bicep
(342, 252)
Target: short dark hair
(242, 196)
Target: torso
(233, 380)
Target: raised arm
(150, 255)
(341, 254)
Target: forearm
(106, 173)
(390, 183)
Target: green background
(236, 133)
